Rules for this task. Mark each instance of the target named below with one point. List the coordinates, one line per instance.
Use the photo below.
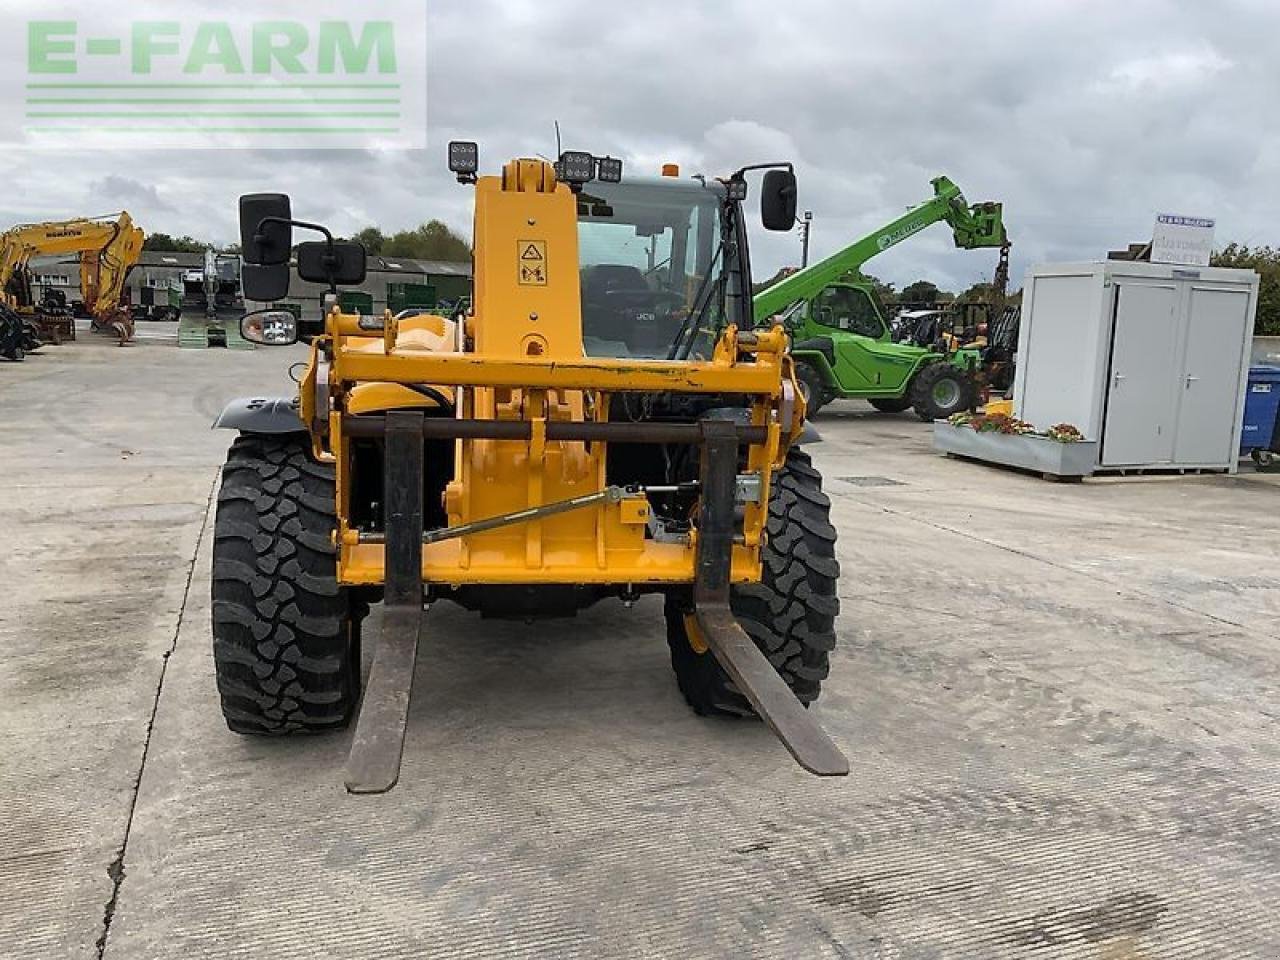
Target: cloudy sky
(1084, 118)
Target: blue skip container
(1261, 411)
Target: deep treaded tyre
(790, 613)
(940, 390)
(285, 641)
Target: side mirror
(342, 264)
(778, 200)
(271, 328)
(265, 284)
(265, 234)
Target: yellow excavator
(108, 248)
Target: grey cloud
(1085, 118)
(117, 191)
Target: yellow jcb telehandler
(604, 422)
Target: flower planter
(1024, 451)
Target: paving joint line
(1130, 592)
(116, 869)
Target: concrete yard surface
(1060, 704)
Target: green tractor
(841, 342)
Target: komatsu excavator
(108, 248)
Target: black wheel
(285, 636)
(17, 353)
(940, 390)
(790, 613)
(890, 404)
(812, 387)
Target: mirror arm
(776, 165)
(259, 236)
(330, 260)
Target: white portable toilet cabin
(1151, 360)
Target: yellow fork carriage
(600, 423)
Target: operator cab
(844, 307)
(663, 262)
(650, 259)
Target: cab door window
(848, 309)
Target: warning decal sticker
(533, 262)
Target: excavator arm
(103, 272)
(972, 226)
(12, 255)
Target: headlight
(609, 170)
(576, 166)
(464, 157)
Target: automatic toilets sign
(142, 75)
(1186, 241)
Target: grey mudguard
(261, 415)
(809, 434)
(743, 416)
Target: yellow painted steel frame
(526, 362)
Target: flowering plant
(1064, 433)
(1013, 427)
(1002, 423)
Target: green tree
(1266, 261)
(883, 290)
(980, 292)
(372, 239)
(168, 244)
(922, 291)
(782, 274)
(432, 240)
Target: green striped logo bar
(207, 77)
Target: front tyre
(790, 613)
(940, 390)
(890, 404)
(285, 635)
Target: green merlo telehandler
(841, 342)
